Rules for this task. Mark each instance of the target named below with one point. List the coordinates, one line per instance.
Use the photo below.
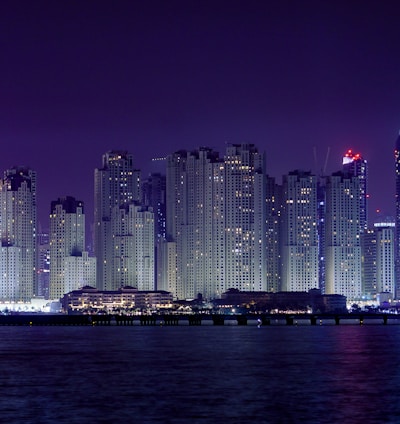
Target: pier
(169, 320)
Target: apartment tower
(215, 210)
(342, 236)
(299, 232)
(18, 226)
(116, 184)
(71, 268)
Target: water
(207, 374)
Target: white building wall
(79, 271)
(18, 228)
(133, 247)
(144, 248)
(385, 260)
(116, 183)
(343, 247)
(67, 238)
(299, 232)
(10, 265)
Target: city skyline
(297, 80)
(218, 222)
(158, 166)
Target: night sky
(298, 79)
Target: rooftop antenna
(315, 158)
(326, 160)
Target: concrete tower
(385, 282)
(117, 183)
(70, 266)
(397, 217)
(193, 226)
(18, 224)
(215, 211)
(273, 213)
(300, 232)
(355, 165)
(132, 227)
(244, 207)
(342, 236)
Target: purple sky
(79, 78)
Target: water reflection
(276, 374)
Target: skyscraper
(132, 228)
(43, 248)
(342, 236)
(154, 197)
(397, 217)
(116, 183)
(299, 232)
(215, 211)
(321, 199)
(368, 264)
(385, 281)
(244, 213)
(70, 266)
(192, 223)
(356, 166)
(18, 226)
(273, 215)
(378, 261)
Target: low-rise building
(128, 299)
(311, 301)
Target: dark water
(279, 374)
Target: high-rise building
(167, 267)
(18, 226)
(132, 228)
(43, 249)
(244, 208)
(154, 197)
(368, 264)
(300, 253)
(70, 266)
(215, 210)
(385, 281)
(378, 261)
(191, 179)
(397, 217)
(342, 236)
(117, 183)
(321, 231)
(355, 165)
(273, 214)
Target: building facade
(385, 276)
(355, 165)
(18, 227)
(132, 228)
(126, 299)
(117, 183)
(273, 216)
(368, 262)
(397, 217)
(215, 210)
(70, 265)
(300, 253)
(342, 236)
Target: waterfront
(204, 374)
